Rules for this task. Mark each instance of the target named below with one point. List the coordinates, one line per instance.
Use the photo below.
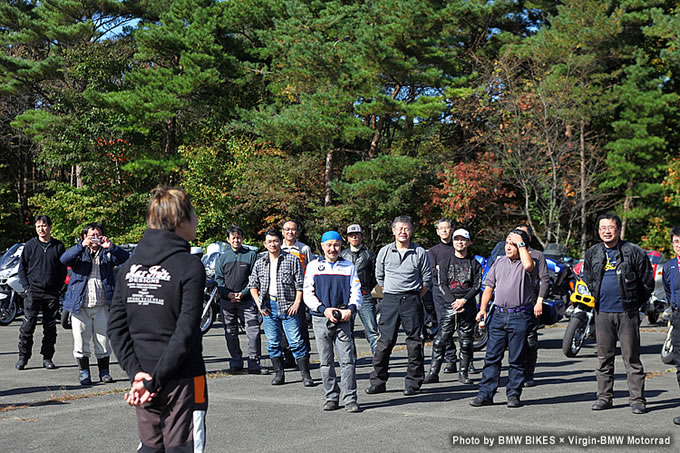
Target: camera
(337, 316)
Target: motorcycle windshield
(498, 250)
(209, 262)
(556, 252)
(11, 258)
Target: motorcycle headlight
(583, 289)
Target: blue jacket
(671, 282)
(329, 286)
(78, 259)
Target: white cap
(354, 229)
(461, 232)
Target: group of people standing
(153, 316)
(618, 273)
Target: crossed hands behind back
(138, 394)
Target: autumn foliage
(468, 190)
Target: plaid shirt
(289, 280)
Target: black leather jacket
(634, 273)
(364, 261)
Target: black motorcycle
(11, 291)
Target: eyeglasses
(290, 229)
(608, 228)
(402, 230)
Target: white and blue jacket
(331, 285)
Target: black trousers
(441, 310)
(464, 322)
(32, 306)
(395, 310)
(531, 353)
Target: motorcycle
(480, 332)
(211, 297)
(667, 346)
(11, 290)
(581, 327)
(562, 277)
(656, 304)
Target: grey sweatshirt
(400, 274)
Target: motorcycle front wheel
(8, 311)
(208, 317)
(480, 337)
(574, 336)
(667, 348)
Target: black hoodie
(156, 308)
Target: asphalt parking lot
(48, 411)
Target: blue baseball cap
(331, 235)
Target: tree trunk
(171, 138)
(79, 176)
(373, 149)
(582, 146)
(627, 204)
(328, 174)
(22, 186)
(170, 148)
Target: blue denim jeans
(275, 325)
(511, 330)
(368, 319)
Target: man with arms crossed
(303, 252)
(438, 256)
